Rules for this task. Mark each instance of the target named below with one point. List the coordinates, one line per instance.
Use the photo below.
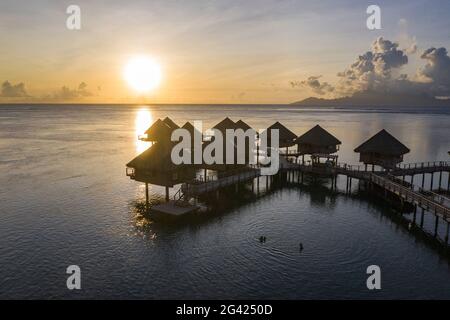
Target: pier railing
(432, 201)
(361, 170)
(420, 165)
(196, 187)
(199, 179)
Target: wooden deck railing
(419, 165)
(196, 186)
(433, 202)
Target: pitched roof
(242, 125)
(318, 136)
(383, 143)
(158, 131)
(226, 123)
(190, 127)
(157, 157)
(170, 123)
(284, 133)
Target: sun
(142, 73)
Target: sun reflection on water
(144, 119)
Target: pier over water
(382, 171)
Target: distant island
(363, 99)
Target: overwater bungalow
(170, 123)
(383, 150)
(318, 143)
(286, 136)
(192, 131)
(222, 126)
(225, 124)
(155, 166)
(158, 131)
(242, 125)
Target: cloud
(13, 91)
(412, 49)
(65, 93)
(373, 70)
(409, 43)
(314, 84)
(378, 71)
(436, 72)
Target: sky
(217, 51)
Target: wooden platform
(174, 208)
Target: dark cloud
(65, 93)
(315, 85)
(13, 91)
(436, 72)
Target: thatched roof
(170, 123)
(226, 123)
(383, 143)
(286, 136)
(157, 157)
(318, 136)
(242, 125)
(158, 131)
(190, 127)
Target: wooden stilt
(446, 234)
(257, 153)
(440, 180)
(436, 223)
(448, 182)
(167, 194)
(257, 185)
(146, 197)
(415, 212)
(431, 183)
(423, 180)
(422, 217)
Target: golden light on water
(142, 122)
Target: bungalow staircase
(180, 199)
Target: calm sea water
(65, 199)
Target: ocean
(65, 200)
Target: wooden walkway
(359, 172)
(197, 187)
(437, 204)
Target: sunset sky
(247, 51)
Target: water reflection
(143, 120)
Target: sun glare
(143, 120)
(142, 73)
